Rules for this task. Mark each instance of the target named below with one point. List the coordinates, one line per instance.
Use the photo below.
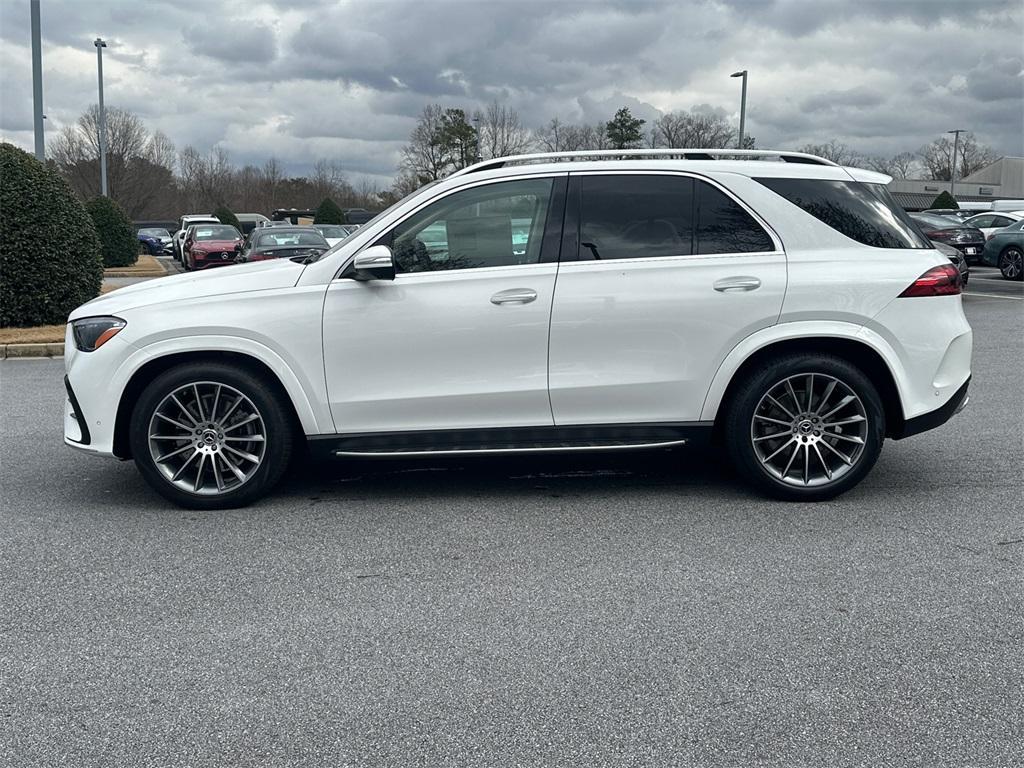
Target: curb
(31, 350)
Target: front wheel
(1011, 263)
(210, 435)
(805, 427)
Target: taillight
(943, 280)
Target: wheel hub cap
(207, 438)
(809, 430)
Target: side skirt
(514, 440)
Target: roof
(919, 201)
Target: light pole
(952, 170)
(743, 104)
(100, 45)
(37, 82)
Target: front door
(662, 274)
(459, 339)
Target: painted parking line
(994, 296)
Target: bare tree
(937, 157)
(689, 129)
(835, 151)
(139, 165)
(428, 154)
(900, 166)
(501, 132)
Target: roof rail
(623, 154)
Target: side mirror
(375, 263)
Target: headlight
(91, 333)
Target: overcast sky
(304, 79)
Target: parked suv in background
(772, 300)
(185, 222)
(210, 245)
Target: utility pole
(100, 45)
(743, 105)
(952, 170)
(37, 82)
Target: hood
(239, 278)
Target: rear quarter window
(863, 212)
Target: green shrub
(118, 242)
(49, 253)
(944, 200)
(329, 213)
(227, 217)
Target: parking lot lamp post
(100, 45)
(952, 170)
(743, 104)
(37, 82)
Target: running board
(520, 449)
(510, 441)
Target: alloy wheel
(207, 438)
(809, 430)
(1012, 264)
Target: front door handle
(732, 284)
(514, 296)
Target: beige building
(1001, 180)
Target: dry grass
(146, 266)
(41, 334)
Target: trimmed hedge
(49, 253)
(119, 243)
(329, 213)
(227, 217)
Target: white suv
(562, 302)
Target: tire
(1011, 263)
(225, 454)
(813, 470)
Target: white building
(1001, 180)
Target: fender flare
(313, 423)
(799, 331)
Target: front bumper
(938, 417)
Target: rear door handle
(514, 296)
(733, 284)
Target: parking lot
(627, 610)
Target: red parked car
(210, 245)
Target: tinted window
(930, 221)
(724, 227)
(866, 213)
(981, 221)
(650, 216)
(495, 225)
(635, 217)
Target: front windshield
(331, 230)
(291, 240)
(155, 232)
(216, 233)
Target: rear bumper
(938, 417)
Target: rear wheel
(1011, 263)
(211, 436)
(805, 427)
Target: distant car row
(207, 245)
(995, 239)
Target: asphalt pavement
(620, 610)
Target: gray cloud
(322, 79)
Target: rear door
(661, 275)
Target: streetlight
(956, 146)
(743, 103)
(476, 137)
(37, 83)
(100, 45)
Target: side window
(984, 221)
(863, 212)
(495, 225)
(724, 227)
(635, 217)
(1000, 221)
